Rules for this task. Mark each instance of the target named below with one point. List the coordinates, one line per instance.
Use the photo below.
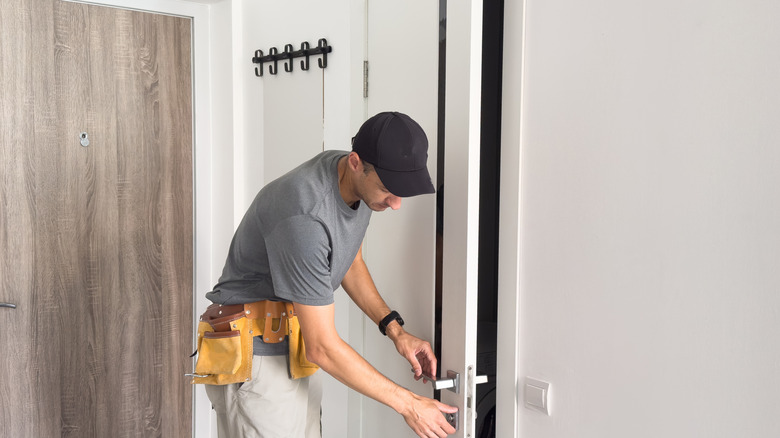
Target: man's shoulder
(317, 169)
(324, 160)
(303, 190)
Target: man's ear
(354, 162)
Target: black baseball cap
(398, 149)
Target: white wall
(334, 97)
(266, 24)
(649, 216)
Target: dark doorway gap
(489, 194)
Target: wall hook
(273, 52)
(288, 65)
(322, 44)
(256, 60)
(305, 50)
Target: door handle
(9, 305)
(452, 382)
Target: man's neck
(345, 183)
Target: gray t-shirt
(295, 243)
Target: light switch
(536, 395)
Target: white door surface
(292, 118)
(401, 245)
(461, 207)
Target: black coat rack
(289, 54)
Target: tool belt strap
(269, 319)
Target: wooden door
(96, 241)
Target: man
(300, 239)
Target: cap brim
(406, 184)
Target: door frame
(508, 397)
(212, 169)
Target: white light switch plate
(537, 394)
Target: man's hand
(425, 417)
(418, 352)
(325, 348)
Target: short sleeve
(299, 253)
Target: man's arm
(325, 348)
(361, 289)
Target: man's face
(374, 193)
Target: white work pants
(271, 405)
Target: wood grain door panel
(96, 241)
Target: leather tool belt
(225, 333)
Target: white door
(461, 207)
(462, 131)
(291, 134)
(403, 55)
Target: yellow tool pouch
(225, 333)
(224, 347)
(220, 353)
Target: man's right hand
(425, 417)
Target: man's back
(296, 241)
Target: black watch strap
(392, 316)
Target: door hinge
(365, 79)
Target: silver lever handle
(9, 305)
(452, 382)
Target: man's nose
(394, 202)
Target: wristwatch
(392, 316)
